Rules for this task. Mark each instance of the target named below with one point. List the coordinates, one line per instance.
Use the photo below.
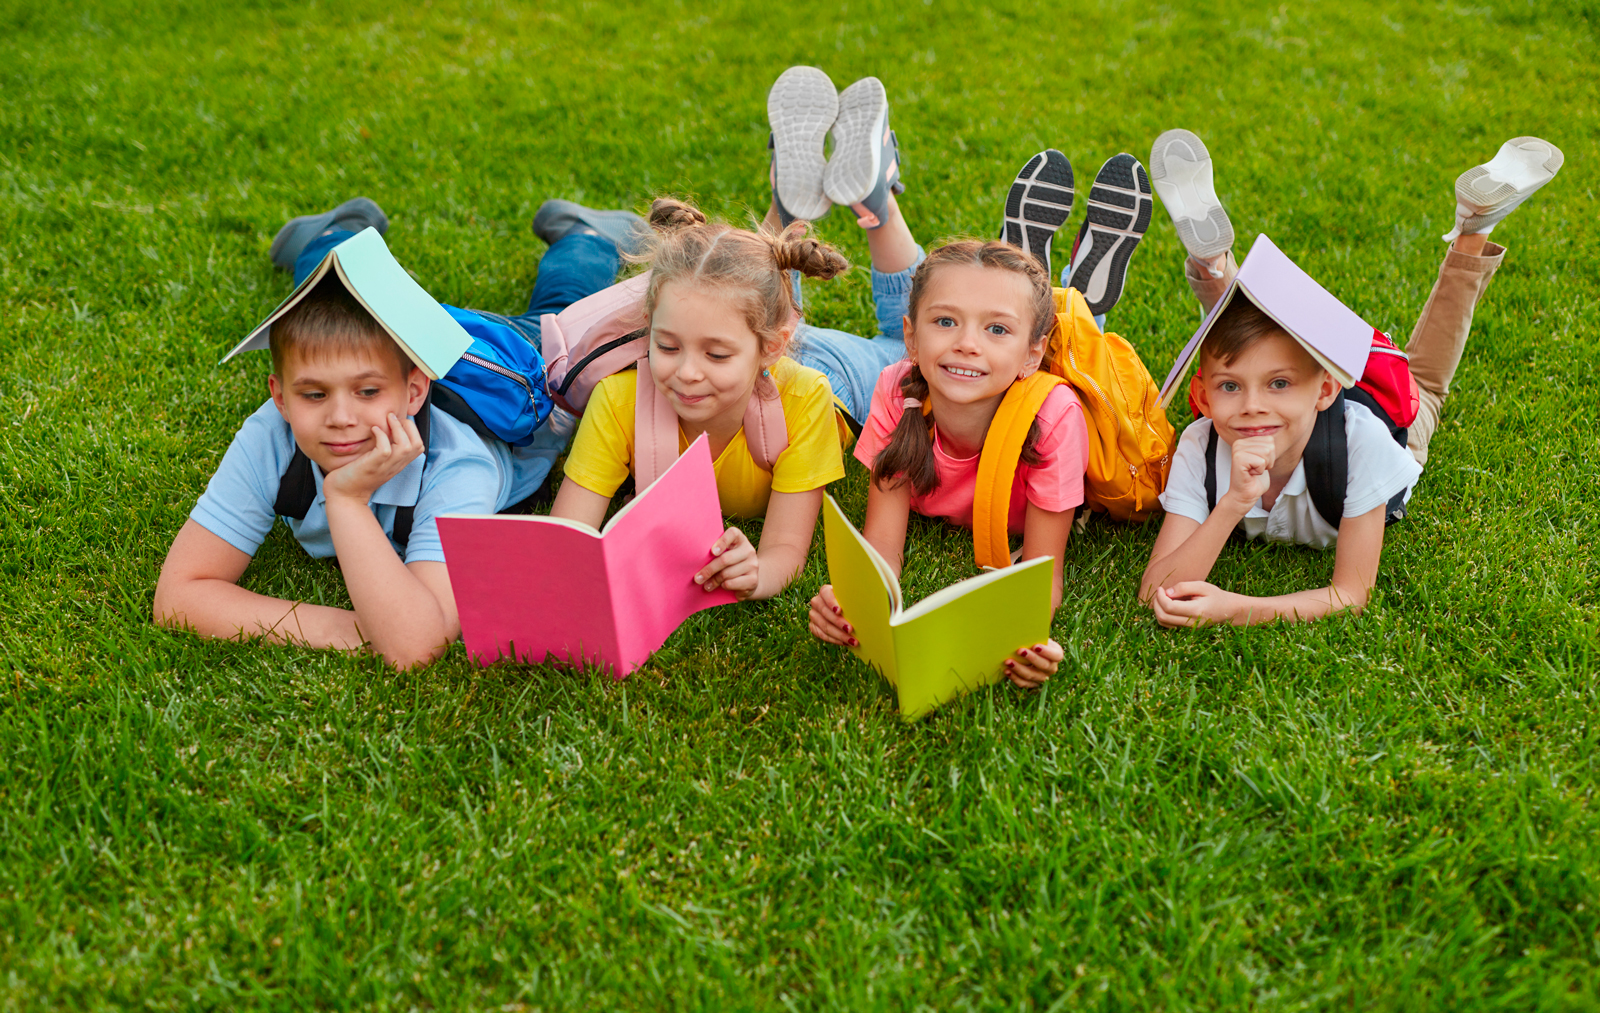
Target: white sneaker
(864, 168)
(1486, 193)
(801, 107)
(1180, 170)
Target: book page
(259, 338)
(529, 587)
(653, 548)
(429, 335)
(962, 641)
(868, 600)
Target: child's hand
(1194, 603)
(395, 446)
(1033, 666)
(827, 620)
(1253, 458)
(735, 565)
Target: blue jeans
(852, 363)
(575, 266)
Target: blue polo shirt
(462, 473)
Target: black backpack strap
(297, 489)
(1211, 470)
(1327, 461)
(404, 516)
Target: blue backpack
(498, 385)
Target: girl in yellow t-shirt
(721, 314)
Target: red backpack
(607, 333)
(1386, 388)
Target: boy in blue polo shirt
(348, 397)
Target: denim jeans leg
(852, 364)
(576, 265)
(315, 250)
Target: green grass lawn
(1392, 812)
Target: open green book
(951, 642)
(427, 333)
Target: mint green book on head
(413, 318)
(951, 642)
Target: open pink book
(535, 587)
(1332, 332)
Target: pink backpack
(606, 333)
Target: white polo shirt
(1379, 468)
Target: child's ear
(1330, 390)
(909, 333)
(416, 390)
(275, 388)
(1030, 365)
(1202, 397)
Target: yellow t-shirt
(602, 453)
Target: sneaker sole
(859, 136)
(1181, 173)
(1038, 204)
(1120, 204)
(1515, 172)
(801, 107)
(318, 223)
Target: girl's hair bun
(796, 251)
(669, 215)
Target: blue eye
(944, 321)
(998, 329)
(1279, 384)
(1228, 387)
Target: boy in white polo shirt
(350, 399)
(1261, 393)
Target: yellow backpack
(1130, 439)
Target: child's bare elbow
(404, 659)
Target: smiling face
(972, 336)
(1273, 387)
(703, 356)
(332, 400)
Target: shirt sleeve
(1056, 483)
(1185, 494)
(458, 484)
(882, 417)
(237, 505)
(602, 453)
(1379, 467)
(813, 457)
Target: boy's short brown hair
(329, 321)
(1241, 325)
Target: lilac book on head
(1332, 332)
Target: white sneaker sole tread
(1181, 172)
(858, 143)
(801, 107)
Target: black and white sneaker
(801, 107)
(1038, 204)
(1119, 215)
(864, 168)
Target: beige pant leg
(1440, 335)
(1206, 288)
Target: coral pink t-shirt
(1055, 485)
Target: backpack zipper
(509, 374)
(1391, 351)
